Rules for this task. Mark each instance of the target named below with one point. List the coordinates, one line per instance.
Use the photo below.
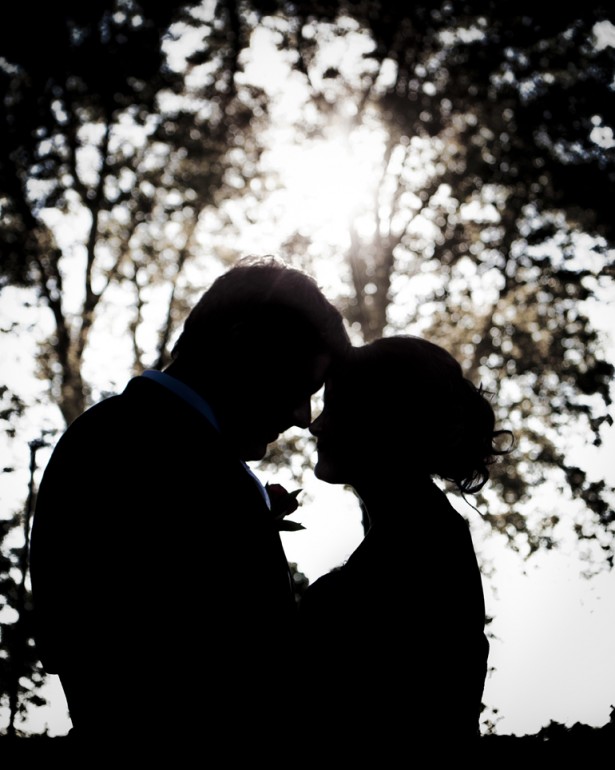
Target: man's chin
(254, 451)
(253, 454)
(256, 448)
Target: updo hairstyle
(418, 403)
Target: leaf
(290, 526)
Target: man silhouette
(162, 594)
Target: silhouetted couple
(163, 598)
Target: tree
(481, 190)
(101, 135)
(107, 158)
(489, 227)
(21, 674)
(133, 139)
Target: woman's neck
(384, 498)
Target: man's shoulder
(144, 409)
(142, 432)
(113, 407)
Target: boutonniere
(283, 503)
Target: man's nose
(316, 426)
(302, 415)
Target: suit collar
(185, 392)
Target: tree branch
(91, 298)
(167, 328)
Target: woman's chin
(325, 472)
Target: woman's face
(343, 440)
(386, 412)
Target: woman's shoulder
(321, 601)
(435, 509)
(324, 585)
(424, 513)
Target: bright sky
(554, 630)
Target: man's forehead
(320, 367)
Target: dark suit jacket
(396, 652)
(162, 594)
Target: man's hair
(262, 300)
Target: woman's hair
(420, 399)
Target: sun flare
(329, 183)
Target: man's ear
(237, 340)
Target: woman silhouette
(396, 652)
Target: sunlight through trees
(442, 168)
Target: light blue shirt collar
(185, 392)
(190, 396)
